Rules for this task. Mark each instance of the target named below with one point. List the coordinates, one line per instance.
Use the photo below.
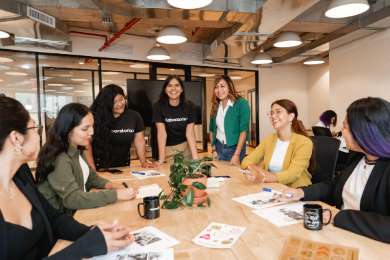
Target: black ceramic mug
(151, 207)
(313, 216)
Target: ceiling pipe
(116, 35)
(91, 34)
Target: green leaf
(200, 205)
(182, 187)
(188, 200)
(170, 204)
(208, 201)
(199, 185)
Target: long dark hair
(369, 121)
(233, 94)
(13, 116)
(326, 117)
(102, 112)
(57, 140)
(164, 97)
(297, 125)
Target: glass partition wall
(46, 82)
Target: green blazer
(236, 122)
(64, 186)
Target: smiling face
(221, 90)
(173, 89)
(82, 134)
(279, 117)
(119, 105)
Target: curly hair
(102, 112)
(57, 140)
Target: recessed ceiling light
(4, 34)
(287, 40)
(206, 75)
(314, 61)
(161, 78)
(235, 77)
(189, 4)
(16, 73)
(171, 35)
(111, 73)
(61, 92)
(139, 66)
(26, 66)
(172, 69)
(67, 88)
(158, 53)
(55, 84)
(79, 79)
(28, 107)
(262, 58)
(80, 91)
(50, 90)
(346, 8)
(5, 60)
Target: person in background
(229, 122)
(284, 156)
(328, 119)
(116, 128)
(29, 226)
(63, 176)
(361, 192)
(174, 118)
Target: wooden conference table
(261, 239)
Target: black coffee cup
(151, 207)
(313, 216)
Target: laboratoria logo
(122, 131)
(180, 119)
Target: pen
(125, 185)
(140, 173)
(288, 195)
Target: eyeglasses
(39, 129)
(275, 112)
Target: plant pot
(200, 200)
(197, 192)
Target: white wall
(282, 81)
(360, 69)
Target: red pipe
(116, 35)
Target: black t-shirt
(175, 118)
(122, 134)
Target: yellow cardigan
(296, 162)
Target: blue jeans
(225, 152)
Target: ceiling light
(235, 77)
(314, 61)
(26, 66)
(67, 88)
(262, 58)
(50, 90)
(139, 66)
(158, 53)
(171, 35)
(81, 61)
(76, 79)
(79, 91)
(161, 78)
(346, 8)
(28, 107)
(288, 39)
(206, 75)
(55, 84)
(16, 73)
(110, 73)
(4, 59)
(189, 4)
(4, 35)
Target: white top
(220, 121)
(277, 159)
(321, 124)
(354, 186)
(85, 170)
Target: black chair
(321, 131)
(326, 150)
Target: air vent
(41, 17)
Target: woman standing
(64, 178)
(285, 156)
(116, 127)
(29, 226)
(361, 191)
(175, 121)
(229, 122)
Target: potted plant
(187, 182)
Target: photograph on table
(259, 200)
(282, 215)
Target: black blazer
(90, 242)
(373, 218)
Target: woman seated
(174, 118)
(285, 156)
(116, 128)
(361, 192)
(63, 176)
(327, 119)
(29, 225)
